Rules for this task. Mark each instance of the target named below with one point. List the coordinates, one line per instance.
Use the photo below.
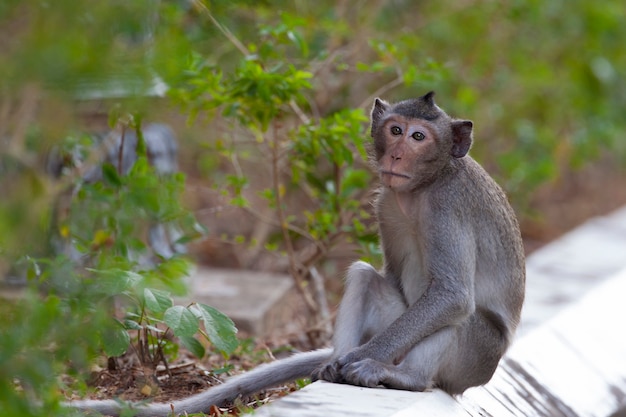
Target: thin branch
(276, 155)
(298, 111)
(234, 160)
(5, 111)
(322, 301)
(229, 35)
(389, 86)
(318, 67)
(295, 271)
(303, 233)
(25, 116)
(120, 157)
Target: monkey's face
(410, 154)
(414, 140)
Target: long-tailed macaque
(444, 307)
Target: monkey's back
(500, 275)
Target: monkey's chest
(405, 264)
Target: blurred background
(543, 83)
(249, 121)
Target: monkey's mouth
(395, 174)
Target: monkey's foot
(330, 371)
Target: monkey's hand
(329, 371)
(350, 369)
(368, 373)
(354, 369)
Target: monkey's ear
(428, 98)
(461, 137)
(380, 107)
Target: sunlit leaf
(219, 327)
(182, 321)
(157, 301)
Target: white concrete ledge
(338, 400)
(561, 272)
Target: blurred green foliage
(286, 84)
(543, 80)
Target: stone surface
(258, 302)
(565, 269)
(334, 400)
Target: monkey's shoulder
(469, 184)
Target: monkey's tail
(300, 365)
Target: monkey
(445, 306)
(443, 309)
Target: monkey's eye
(418, 136)
(395, 130)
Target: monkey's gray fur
(444, 308)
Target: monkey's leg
(453, 359)
(370, 303)
(480, 344)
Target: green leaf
(239, 201)
(157, 301)
(219, 327)
(354, 180)
(193, 345)
(362, 67)
(154, 329)
(182, 321)
(114, 281)
(141, 147)
(115, 340)
(175, 267)
(109, 172)
(132, 325)
(141, 167)
(297, 39)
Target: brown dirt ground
(124, 379)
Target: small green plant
(105, 224)
(107, 285)
(154, 318)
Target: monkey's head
(414, 140)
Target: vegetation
(284, 87)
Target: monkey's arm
(438, 308)
(297, 366)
